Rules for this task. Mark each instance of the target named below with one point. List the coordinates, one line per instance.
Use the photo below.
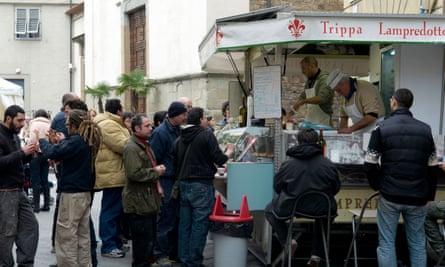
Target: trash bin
(230, 231)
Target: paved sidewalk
(45, 258)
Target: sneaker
(53, 250)
(125, 248)
(313, 262)
(45, 208)
(164, 262)
(115, 253)
(293, 247)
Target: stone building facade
(298, 5)
(210, 90)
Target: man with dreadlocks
(76, 154)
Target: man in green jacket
(141, 197)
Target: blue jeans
(196, 204)
(111, 211)
(166, 244)
(39, 168)
(387, 220)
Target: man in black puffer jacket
(405, 176)
(306, 170)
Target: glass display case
(252, 144)
(347, 151)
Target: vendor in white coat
(362, 103)
(317, 96)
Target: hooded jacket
(204, 153)
(305, 170)
(109, 163)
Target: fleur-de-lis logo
(296, 27)
(219, 36)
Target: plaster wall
(104, 52)
(176, 29)
(44, 62)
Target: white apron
(355, 116)
(314, 113)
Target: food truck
(261, 47)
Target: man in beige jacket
(110, 177)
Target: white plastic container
(229, 251)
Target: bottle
(242, 114)
(289, 124)
(249, 110)
(421, 9)
(322, 143)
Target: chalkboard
(267, 92)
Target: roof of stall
(271, 26)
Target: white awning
(235, 35)
(10, 94)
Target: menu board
(267, 92)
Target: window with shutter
(27, 23)
(34, 20)
(20, 21)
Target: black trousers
(143, 232)
(280, 228)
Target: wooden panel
(138, 48)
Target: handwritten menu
(267, 92)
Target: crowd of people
(132, 160)
(156, 176)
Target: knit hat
(176, 108)
(334, 78)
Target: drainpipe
(70, 66)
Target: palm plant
(138, 84)
(101, 90)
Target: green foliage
(136, 81)
(100, 91)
